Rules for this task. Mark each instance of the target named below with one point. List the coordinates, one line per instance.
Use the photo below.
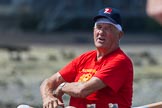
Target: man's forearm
(71, 89)
(83, 89)
(46, 89)
(80, 89)
(75, 89)
(50, 84)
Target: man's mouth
(100, 39)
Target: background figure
(154, 9)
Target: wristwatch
(62, 85)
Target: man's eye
(99, 27)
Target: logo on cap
(108, 10)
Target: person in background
(98, 77)
(154, 10)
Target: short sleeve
(114, 73)
(69, 71)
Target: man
(154, 10)
(97, 77)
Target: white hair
(105, 20)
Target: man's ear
(121, 34)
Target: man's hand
(47, 87)
(52, 102)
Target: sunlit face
(106, 36)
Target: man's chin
(98, 45)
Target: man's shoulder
(88, 54)
(120, 55)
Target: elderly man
(98, 77)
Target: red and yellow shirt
(115, 70)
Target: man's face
(106, 36)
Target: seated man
(98, 77)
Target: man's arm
(47, 88)
(81, 89)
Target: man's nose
(101, 30)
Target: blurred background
(38, 37)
